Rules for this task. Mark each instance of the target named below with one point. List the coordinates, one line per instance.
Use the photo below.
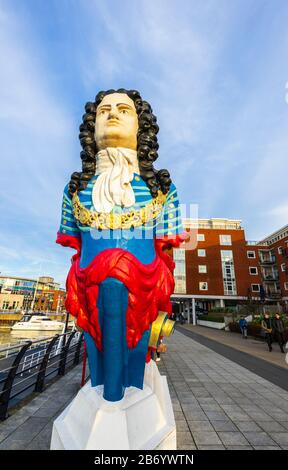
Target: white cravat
(115, 167)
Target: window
(228, 272)
(202, 268)
(225, 239)
(280, 250)
(201, 253)
(200, 237)
(286, 285)
(251, 254)
(253, 270)
(180, 271)
(283, 267)
(203, 285)
(255, 287)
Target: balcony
(267, 259)
(274, 295)
(271, 277)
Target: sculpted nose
(113, 113)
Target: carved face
(116, 122)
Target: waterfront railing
(27, 367)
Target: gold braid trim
(126, 220)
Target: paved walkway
(218, 404)
(253, 346)
(30, 428)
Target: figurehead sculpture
(120, 214)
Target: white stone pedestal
(142, 420)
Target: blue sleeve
(171, 223)
(68, 224)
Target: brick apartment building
(219, 268)
(41, 295)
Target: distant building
(221, 269)
(42, 295)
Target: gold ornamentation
(162, 326)
(124, 220)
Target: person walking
(278, 330)
(243, 327)
(267, 328)
(160, 348)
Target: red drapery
(149, 286)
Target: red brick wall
(212, 260)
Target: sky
(215, 73)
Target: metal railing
(25, 368)
(274, 295)
(267, 260)
(271, 277)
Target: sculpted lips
(113, 121)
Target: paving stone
(177, 407)
(186, 446)
(206, 438)
(224, 400)
(247, 426)
(210, 407)
(14, 421)
(239, 447)
(179, 415)
(271, 426)
(232, 438)
(234, 416)
(39, 444)
(184, 438)
(5, 432)
(181, 425)
(200, 426)
(279, 416)
(191, 407)
(259, 438)
(258, 416)
(216, 416)
(267, 448)
(195, 416)
(280, 438)
(13, 444)
(207, 400)
(211, 447)
(188, 400)
(223, 426)
(29, 429)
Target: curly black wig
(147, 145)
